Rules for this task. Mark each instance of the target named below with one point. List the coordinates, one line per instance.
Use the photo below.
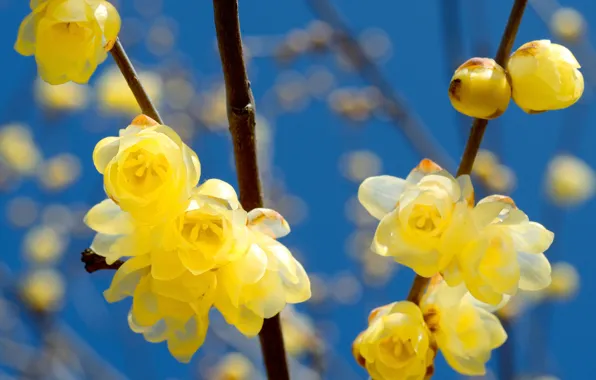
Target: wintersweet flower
(175, 311)
(465, 329)
(570, 181)
(565, 282)
(69, 38)
(266, 278)
(397, 343)
(417, 215)
(499, 250)
(148, 170)
(544, 77)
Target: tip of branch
(94, 262)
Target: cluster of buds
(540, 76)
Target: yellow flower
(114, 95)
(544, 77)
(480, 88)
(417, 215)
(67, 96)
(498, 251)
(69, 38)
(465, 330)
(18, 150)
(565, 282)
(267, 277)
(175, 311)
(148, 170)
(44, 245)
(396, 345)
(570, 181)
(209, 234)
(299, 332)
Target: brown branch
(241, 118)
(129, 73)
(479, 125)
(94, 262)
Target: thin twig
(129, 73)
(241, 119)
(479, 125)
(404, 118)
(94, 262)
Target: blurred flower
(346, 289)
(320, 290)
(43, 290)
(320, 34)
(298, 332)
(160, 38)
(69, 38)
(544, 77)
(360, 164)
(354, 104)
(59, 217)
(465, 330)
(68, 96)
(178, 93)
(497, 177)
(213, 109)
(375, 43)
(114, 95)
(565, 283)
(44, 245)
(570, 181)
(568, 24)
(148, 170)
(233, 366)
(396, 344)
(22, 211)
(480, 88)
(59, 171)
(18, 150)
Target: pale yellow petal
(105, 150)
(219, 189)
(379, 195)
(165, 265)
(26, 39)
(269, 222)
(535, 271)
(107, 217)
(126, 278)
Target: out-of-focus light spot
(183, 124)
(357, 214)
(211, 109)
(80, 229)
(298, 331)
(357, 105)
(148, 8)
(68, 96)
(60, 171)
(59, 217)
(114, 95)
(376, 44)
(291, 90)
(160, 40)
(319, 81)
(44, 245)
(565, 281)
(568, 24)
(133, 31)
(359, 165)
(570, 180)
(293, 208)
(320, 34)
(22, 211)
(233, 366)
(18, 150)
(43, 290)
(319, 289)
(346, 289)
(178, 93)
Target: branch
(416, 132)
(479, 125)
(94, 262)
(241, 118)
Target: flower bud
(544, 77)
(480, 88)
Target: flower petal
(219, 189)
(126, 278)
(107, 218)
(531, 237)
(104, 152)
(269, 222)
(379, 195)
(535, 271)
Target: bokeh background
(336, 83)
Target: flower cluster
(403, 338)
(189, 248)
(540, 76)
(69, 38)
(431, 223)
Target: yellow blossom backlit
(544, 77)
(417, 214)
(498, 251)
(114, 95)
(148, 170)
(68, 38)
(480, 88)
(570, 181)
(397, 343)
(465, 330)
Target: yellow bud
(43, 290)
(544, 77)
(565, 281)
(570, 181)
(568, 24)
(67, 96)
(43, 245)
(480, 88)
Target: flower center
(146, 171)
(202, 230)
(425, 218)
